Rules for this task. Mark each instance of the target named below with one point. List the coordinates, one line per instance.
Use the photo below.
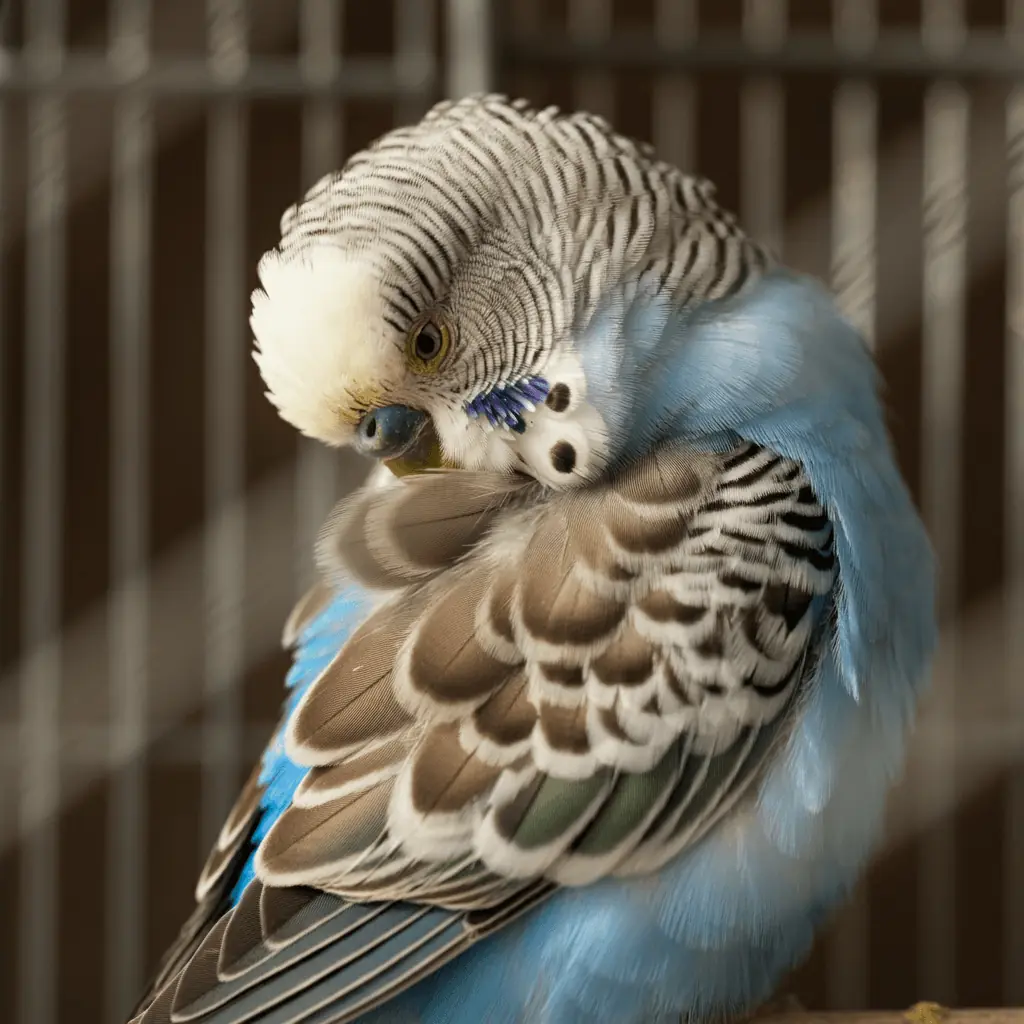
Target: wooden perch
(920, 1013)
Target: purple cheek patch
(503, 405)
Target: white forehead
(323, 346)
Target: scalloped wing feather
(714, 930)
(557, 692)
(624, 620)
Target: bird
(612, 660)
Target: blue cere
(504, 404)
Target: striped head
(423, 302)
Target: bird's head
(426, 304)
(357, 356)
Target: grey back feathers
(554, 688)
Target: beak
(402, 438)
(389, 432)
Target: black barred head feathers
(448, 270)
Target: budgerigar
(613, 659)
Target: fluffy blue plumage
(716, 929)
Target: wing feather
(560, 687)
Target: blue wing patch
(318, 643)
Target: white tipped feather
(626, 755)
(511, 860)
(561, 763)
(486, 750)
(434, 836)
(480, 738)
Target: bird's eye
(428, 342)
(428, 345)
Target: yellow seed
(925, 1013)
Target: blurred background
(156, 516)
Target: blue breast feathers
(715, 930)
(779, 366)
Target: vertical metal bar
(946, 140)
(1013, 940)
(41, 551)
(129, 303)
(762, 113)
(316, 475)
(854, 281)
(590, 21)
(675, 115)
(855, 174)
(470, 47)
(527, 18)
(414, 56)
(224, 557)
(3, 296)
(321, 42)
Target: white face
(329, 356)
(324, 349)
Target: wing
(234, 843)
(554, 689)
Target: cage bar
(470, 46)
(3, 307)
(42, 529)
(854, 280)
(523, 17)
(855, 175)
(85, 749)
(316, 477)
(224, 559)
(320, 33)
(675, 96)
(414, 56)
(897, 53)
(946, 139)
(129, 502)
(189, 77)
(1013, 861)
(762, 127)
(590, 21)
